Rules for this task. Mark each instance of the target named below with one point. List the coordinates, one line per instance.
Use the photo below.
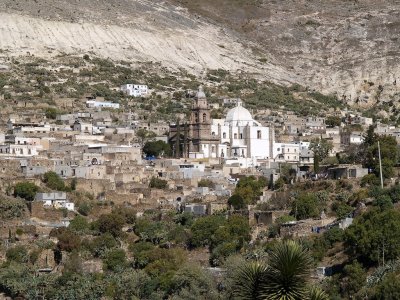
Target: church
(236, 136)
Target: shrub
(158, 183)
(26, 190)
(84, 208)
(205, 183)
(11, 208)
(53, 181)
(111, 223)
(18, 254)
(237, 202)
(67, 240)
(115, 260)
(79, 224)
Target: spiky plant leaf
(316, 293)
(248, 281)
(288, 270)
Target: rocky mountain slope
(343, 47)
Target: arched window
(204, 117)
(258, 134)
(224, 135)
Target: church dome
(239, 114)
(200, 93)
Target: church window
(259, 134)
(224, 135)
(235, 136)
(204, 117)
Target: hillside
(348, 48)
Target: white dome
(239, 114)
(200, 93)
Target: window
(235, 136)
(213, 133)
(224, 135)
(204, 117)
(241, 136)
(196, 117)
(259, 134)
(212, 149)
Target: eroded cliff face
(348, 48)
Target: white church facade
(241, 136)
(236, 136)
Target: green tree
(51, 113)
(144, 135)
(388, 288)
(305, 206)
(203, 229)
(389, 154)
(110, 223)
(100, 245)
(26, 190)
(374, 232)
(355, 278)
(193, 282)
(341, 209)
(115, 260)
(332, 121)
(237, 202)
(79, 224)
(53, 181)
(132, 284)
(321, 148)
(67, 239)
(157, 149)
(250, 188)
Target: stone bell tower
(200, 121)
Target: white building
(101, 104)
(352, 138)
(20, 150)
(240, 136)
(135, 90)
(287, 152)
(55, 199)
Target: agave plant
(248, 281)
(283, 278)
(288, 270)
(316, 293)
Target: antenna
(380, 164)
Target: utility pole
(380, 164)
